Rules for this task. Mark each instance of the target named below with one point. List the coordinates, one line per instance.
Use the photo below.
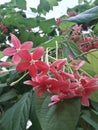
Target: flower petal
(22, 66)
(27, 45)
(85, 101)
(38, 53)
(16, 59)
(15, 41)
(33, 70)
(25, 55)
(9, 51)
(42, 66)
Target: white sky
(57, 10)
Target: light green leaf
(65, 25)
(92, 67)
(52, 42)
(62, 116)
(16, 117)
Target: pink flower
(17, 47)
(32, 63)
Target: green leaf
(3, 85)
(91, 117)
(65, 25)
(70, 48)
(52, 42)
(94, 96)
(47, 25)
(62, 116)
(7, 96)
(20, 4)
(92, 67)
(16, 117)
(47, 5)
(86, 16)
(1, 55)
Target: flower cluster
(53, 77)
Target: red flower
(56, 67)
(39, 83)
(86, 87)
(32, 63)
(17, 47)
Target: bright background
(57, 10)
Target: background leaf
(17, 116)
(86, 16)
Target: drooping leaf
(86, 16)
(63, 115)
(16, 117)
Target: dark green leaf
(3, 85)
(86, 16)
(91, 118)
(16, 117)
(7, 96)
(62, 116)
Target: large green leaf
(16, 117)
(86, 16)
(62, 116)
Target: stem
(57, 50)
(13, 83)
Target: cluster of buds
(53, 77)
(3, 28)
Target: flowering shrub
(51, 77)
(48, 69)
